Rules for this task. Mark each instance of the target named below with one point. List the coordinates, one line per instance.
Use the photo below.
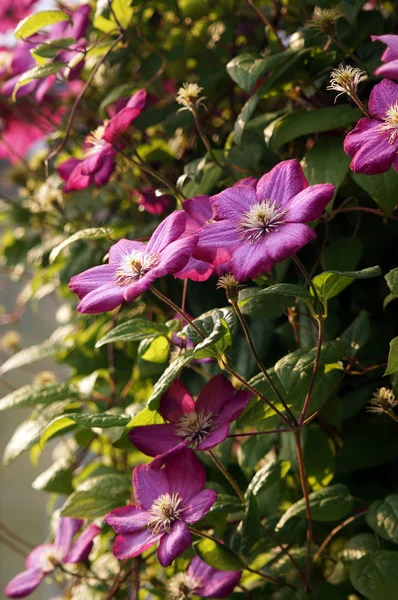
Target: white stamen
(50, 560)
(165, 510)
(262, 218)
(390, 124)
(134, 266)
(346, 80)
(182, 586)
(195, 427)
(95, 140)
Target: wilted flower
(373, 144)
(203, 581)
(134, 266)
(45, 559)
(201, 425)
(325, 19)
(168, 500)
(389, 56)
(189, 97)
(153, 203)
(262, 222)
(383, 401)
(345, 79)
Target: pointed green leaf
(217, 555)
(133, 330)
(29, 395)
(92, 233)
(375, 576)
(383, 518)
(392, 365)
(33, 23)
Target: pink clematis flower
(100, 149)
(152, 203)
(44, 559)
(203, 581)
(168, 500)
(134, 266)
(373, 144)
(263, 222)
(389, 56)
(13, 11)
(201, 425)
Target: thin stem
(260, 365)
(304, 485)
(184, 294)
(205, 141)
(12, 546)
(266, 22)
(348, 52)
(251, 433)
(361, 105)
(135, 579)
(336, 530)
(372, 211)
(228, 476)
(178, 310)
(314, 372)
(308, 279)
(146, 167)
(284, 550)
(16, 537)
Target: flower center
(262, 218)
(182, 586)
(95, 140)
(165, 510)
(134, 266)
(195, 427)
(50, 560)
(5, 60)
(390, 124)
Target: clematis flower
(203, 581)
(373, 144)
(152, 203)
(13, 11)
(262, 222)
(100, 149)
(134, 266)
(45, 559)
(168, 500)
(200, 425)
(389, 56)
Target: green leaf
(123, 12)
(97, 496)
(30, 395)
(133, 330)
(375, 576)
(38, 72)
(169, 375)
(332, 283)
(48, 349)
(304, 122)
(357, 547)
(226, 503)
(382, 188)
(343, 254)
(57, 479)
(267, 476)
(392, 365)
(217, 555)
(392, 281)
(218, 326)
(262, 302)
(383, 518)
(93, 233)
(51, 49)
(98, 420)
(245, 69)
(33, 23)
(329, 504)
(358, 333)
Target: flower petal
(215, 236)
(234, 201)
(215, 437)
(127, 519)
(234, 408)
(154, 439)
(220, 584)
(199, 506)
(24, 583)
(199, 210)
(376, 156)
(195, 270)
(176, 255)
(168, 231)
(282, 183)
(91, 279)
(382, 96)
(185, 474)
(217, 392)
(174, 543)
(363, 132)
(133, 544)
(288, 240)
(82, 547)
(123, 248)
(123, 119)
(66, 531)
(390, 70)
(309, 204)
(250, 261)
(149, 484)
(391, 41)
(176, 401)
(105, 298)
(38, 556)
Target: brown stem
(251, 433)
(178, 310)
(304, 485)
(228, 476)
(16, 537)
(284, 550)
(266, 22)
(336, 530)
(314, 372)
(348, 52)
(205, 140)
(372, 211)
(116, 585)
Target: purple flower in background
(13, 11)
(389, 56)
(201, 425)
(168, 500)
(100, 149)
(134, 266)
(152, 203)
(262, 222)
(373, 144)
(44, 559)
(203, 581)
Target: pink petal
(250, 261)
(168, 231)
(94, 162)
(217, 436)
(37, 557)
(215, 394)
(149, 484)
(185, 474)
(195, 270)
(91, 280)
(176, 401)
(234, 201)
(363, 132)
(23, 584)
(199, 209)
(391, 41)
(101, 177)
(220, 585)
(154, 439)
(376, 156)
(382, 96)
(282, 183)
(133, 544)
(161, 459)
(176, 255)
(309, 204)
(234, 408)
(80, 21)
(214, 236)
(82, 547)
(77, 181)
(122, 249)
(127, 519)
(134, 290)
(174, 543)
(105, 298)
(65, 169)
(199, 506)
(288, 240)
(123, 119)
(390, 70)
(66, 531)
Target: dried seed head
(345, 79)
(383, 401)
(230, 285)
(189, 97)
(324, 20)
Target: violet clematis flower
(389, 56)
(203, 581)
(149, 201)
(44, 559)
(201, 425)
(168, 500)
(134, 266)
(13, 11)
(262, 222)
(100, 149)
(373, 144)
